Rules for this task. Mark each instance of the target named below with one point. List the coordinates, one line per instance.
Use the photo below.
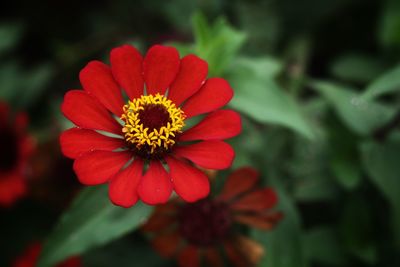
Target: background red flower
(195, 232)
(16, 146)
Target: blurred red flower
(16, 147)
(130, 153)
(31, 255)
(195, 232)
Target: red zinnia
(16, 147)
(193, 233)
(31, 255)
(128, 143)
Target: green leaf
(131, 250)
(347, 173)
(390, 24)
(283, 243)
(90, 222)
(387, 83)
(34, 84)
(359, 114)
(258, 96)
(357, 68)
(9, 36)
(382, 164)
(218, 44)
(322, 246)
(356, 229)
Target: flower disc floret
(152, 122)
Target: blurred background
(317, 83)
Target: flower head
(194, 232)
(30, 257)
(132, 128)
(16, 148)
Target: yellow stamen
(140, 135)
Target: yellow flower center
(152, 123)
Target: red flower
(31, 255)
(163, 93)
(194, 232)
(16, 147)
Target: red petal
(238, 182)
(96, 78)
(189, 257)
(76, 141)
(214, 94)
(155, 187)
(220, 124)
(87, 112)
(159, 222)
(256, 201)
(123, 186)
(167, 244)
(12, 187)
(126, 66)
(97, 167)
(261, 221)
(190, 183)
(234, 255)
(192, 73)
(208, 154)
(160, 66)
(213, 257)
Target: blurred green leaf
(218, 43)
(389, 33)
(33, 85)
(356, 229)
(9, 80)
(382, 164)
(258, 96)
(125, 252)
(387, 83)
(10, 34)
(283, 244)
(91, 221)
(347, 172)
(322, 246)
(356, 68)
(360, 115)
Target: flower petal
(87, 112)
(96, 78)
(160, 66)
(76, 141)
(126, 66)
(190, 183)
(159, 222)
(189, 257)
(259, 200)
(208, 154)
(214, 94)
(167, 244)
(12, 187)
(155, 186)
(220, 124)
(260, 221)
(244, 251)
(213, 257)
(97, 167)
(238, 182)
(192, 73)
(123, 186)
